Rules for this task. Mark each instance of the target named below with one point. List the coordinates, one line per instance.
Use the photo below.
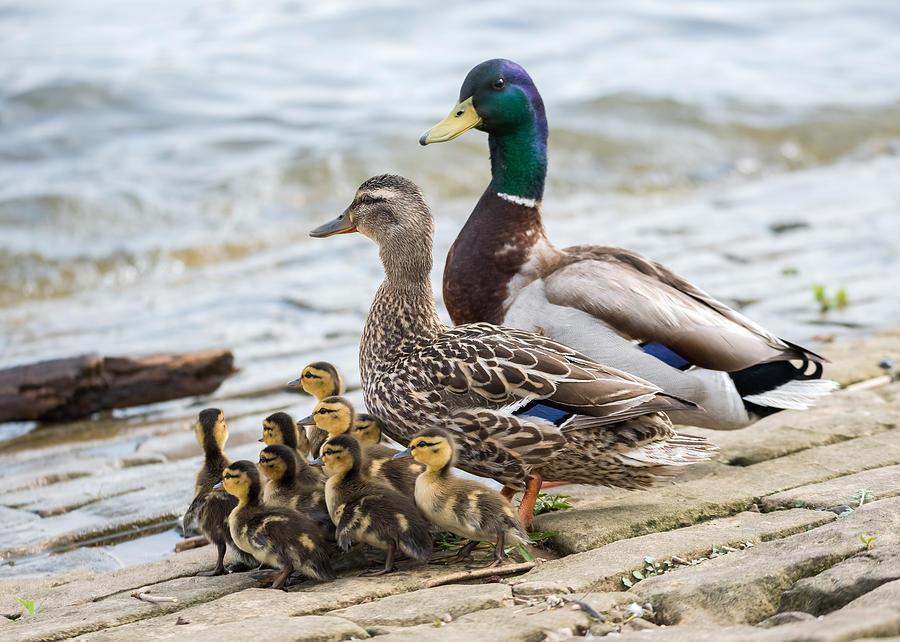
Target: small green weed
(653, 567)
(29, 606)
(867, 540)
(447, 541)
(547, 503)
(826, 303)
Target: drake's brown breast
(490, 250)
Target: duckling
(279, 428)
(367, 510)
(280, 537)
(292, 482)
(210, 509)
(367, 430)
(320, 379)
(336, 415)
(462, 506)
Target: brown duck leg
(552, 484)
(526, 507)
(499, 554)
(388, 563)
(282, 578)
(463, 553)
(220, 562)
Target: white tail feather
(799, 394)
(678, 451)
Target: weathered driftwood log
(78, 386)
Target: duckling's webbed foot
(220, 563)
(461, 555)
(389, 566)
(282, 578)
(499, 554)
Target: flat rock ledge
(793, 534)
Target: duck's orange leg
(552, 484)
(526, 506)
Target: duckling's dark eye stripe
(424, 444)
(229, 476)
(310, 375)
(324, 411)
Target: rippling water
(161, 162)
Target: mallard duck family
(565, 365)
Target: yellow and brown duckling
(369, 511)
(366, 429)
(210, 509)
(320, 379)
(462, 506)
(280, 537)
(279, 428)
(293, 483)
(336, 416)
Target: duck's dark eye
(498, 84)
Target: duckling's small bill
(461, 119)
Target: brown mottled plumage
(489, 385)
(292, 482)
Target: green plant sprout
(826, 303)
(867, 540)
(547, 503)
(29, 606)
(653, 567)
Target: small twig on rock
(191, 542)
(143, 594)
(680, 560)
(479, 573)
(730, 549)
(868, 384)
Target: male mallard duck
(520, 406)
(320, 379)
(211, 507)
(292, 482)
(279, 428)
(365, 510)
(279, 537)
(462, 506)
(614, 305)
(336, 415)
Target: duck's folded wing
(511, 367)
(647, 303)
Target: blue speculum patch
(664, 354)
(545, 411)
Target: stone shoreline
(780, 562)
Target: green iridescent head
(499, 97)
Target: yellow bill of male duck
(521, 407)
(610, 303)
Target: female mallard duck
(336, 416)
(521, 407)
(279, 428)
(365, 510)
(612, 304)
(280, 537)
(462, 506)
(320, 379)
(291, 481)
(211, 506)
